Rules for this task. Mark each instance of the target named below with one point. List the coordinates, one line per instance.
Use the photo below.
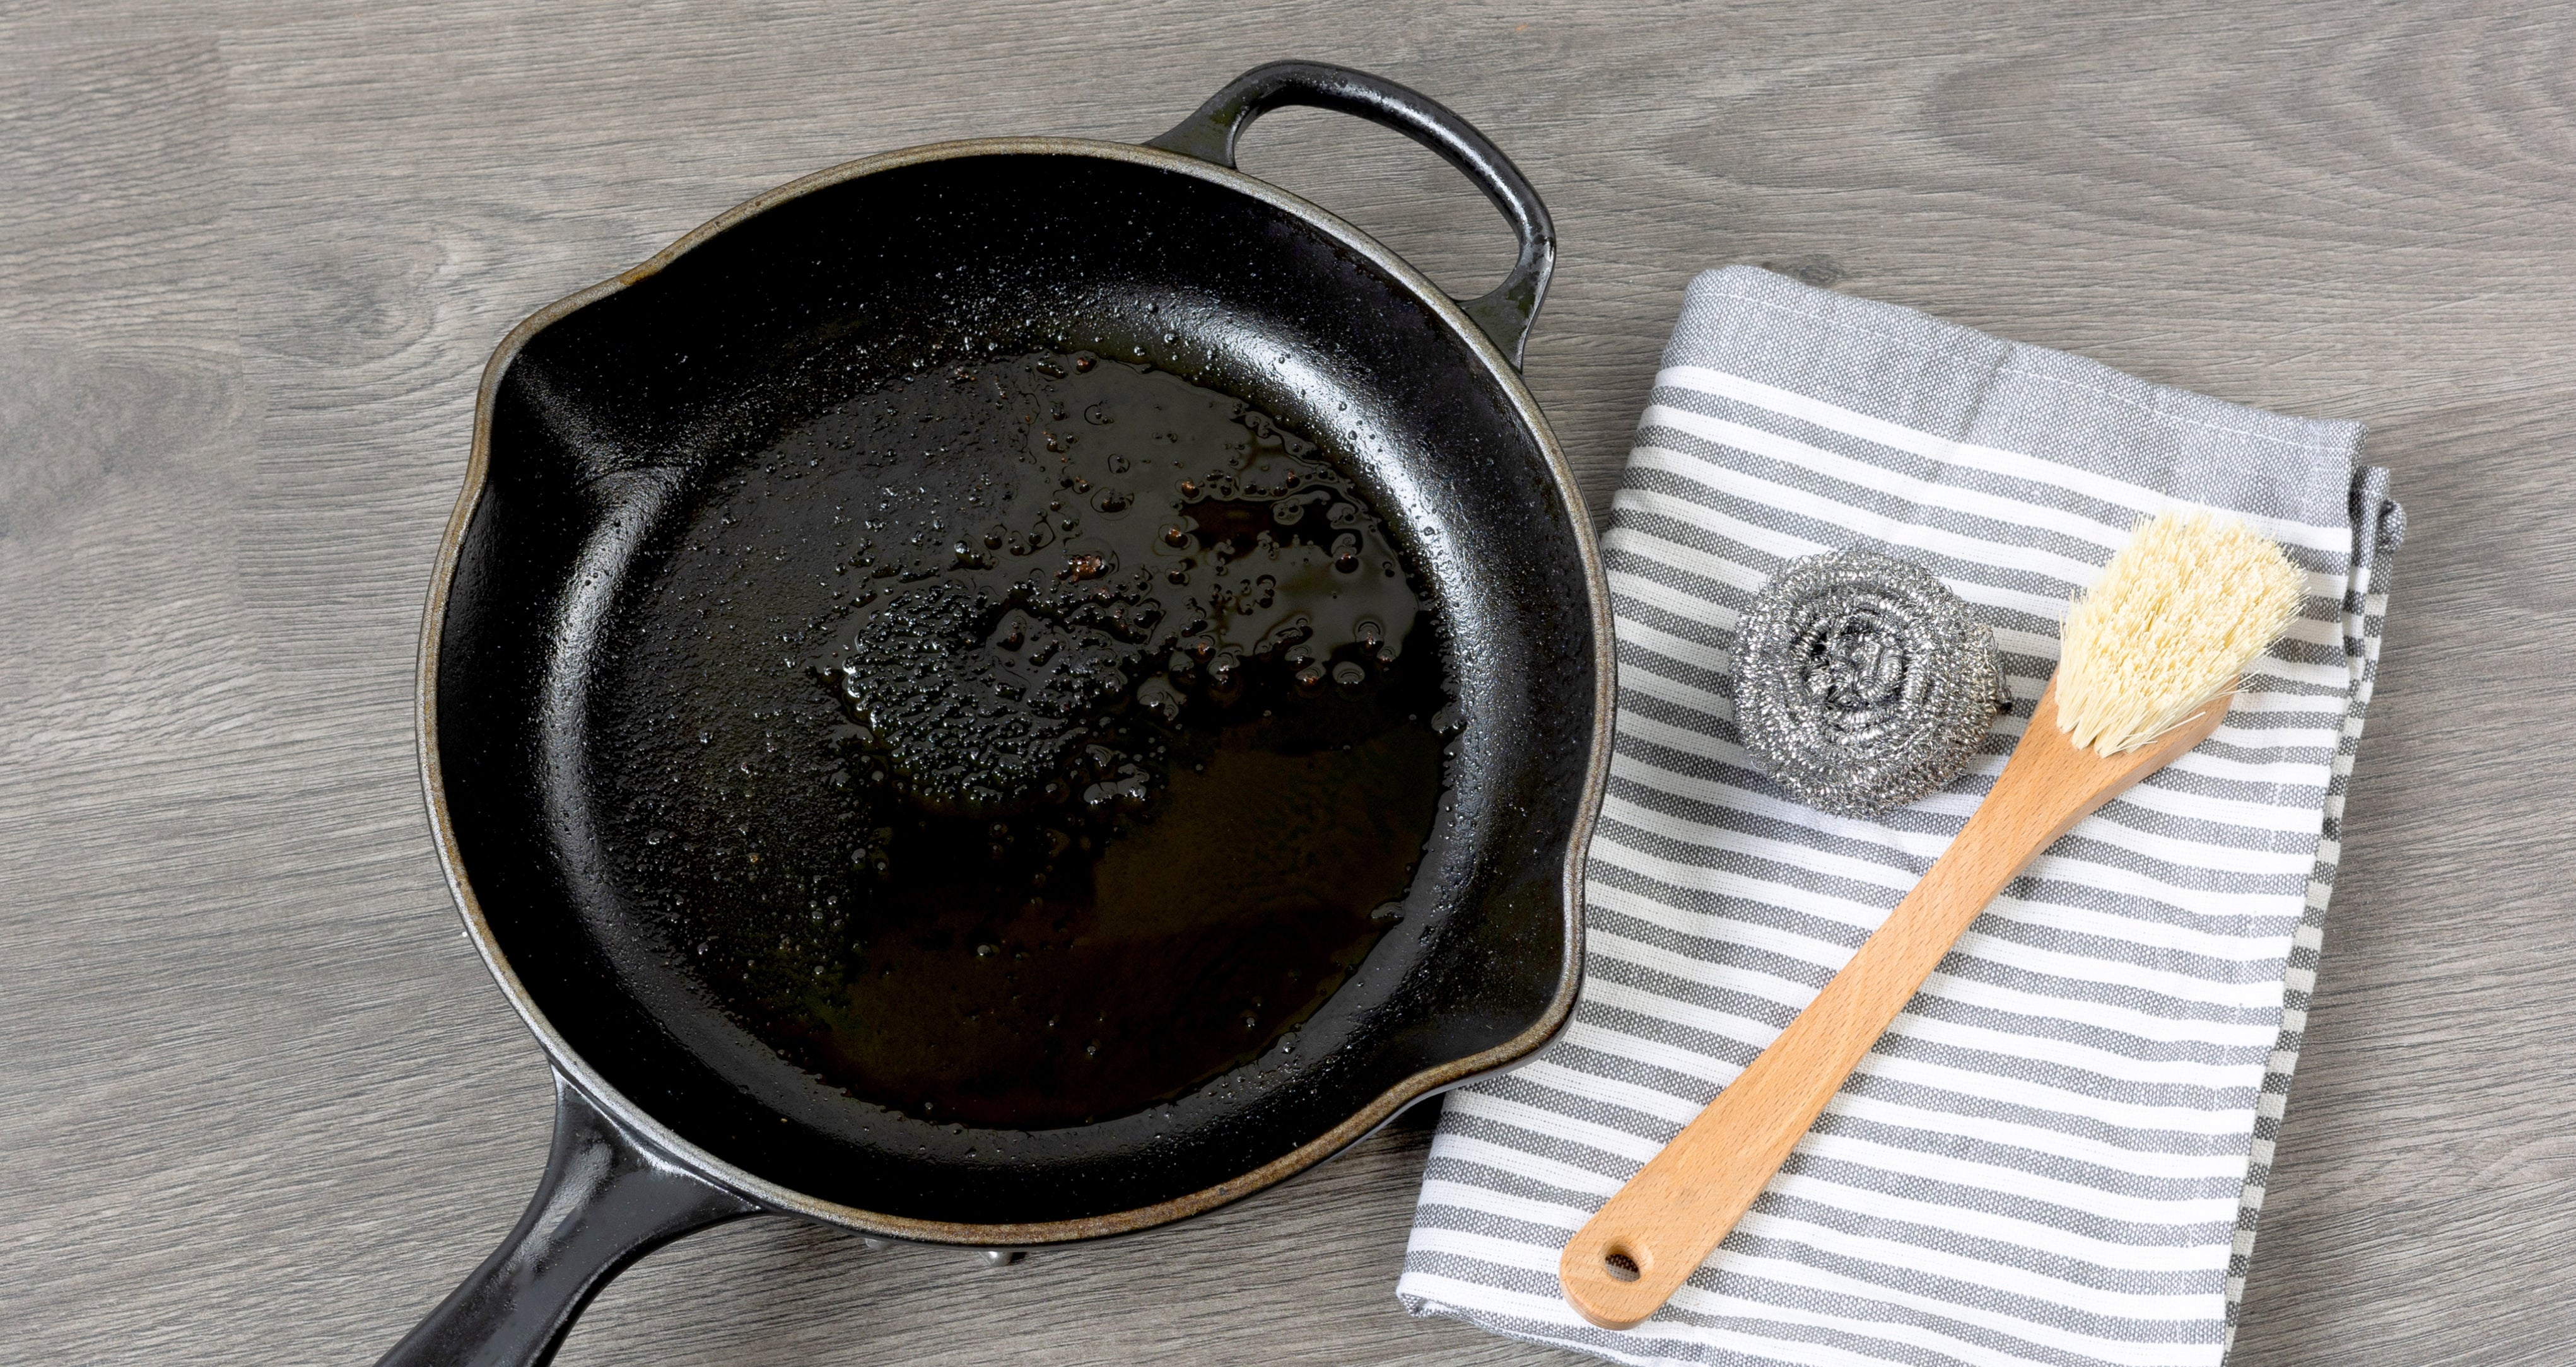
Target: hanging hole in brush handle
(1504, 312)
(609, 1196)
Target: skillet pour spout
(606, 419)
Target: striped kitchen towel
(2057, 1153)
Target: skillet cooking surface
(621, 426)
(1109, 743)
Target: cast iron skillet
(605, 414)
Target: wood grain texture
(260, 1104)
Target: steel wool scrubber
(1862, 683)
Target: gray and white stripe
(2056, 1155)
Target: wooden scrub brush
(2149, 661)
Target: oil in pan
(1108, 733)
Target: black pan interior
(617, 421)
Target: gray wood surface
(259, 1103)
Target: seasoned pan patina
(615, 422)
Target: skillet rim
(783, 1199)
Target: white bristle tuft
(2174, 620)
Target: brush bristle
(2175, 618)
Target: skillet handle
(609, 1197)
(1504, 312)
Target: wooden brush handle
(1674, 1212)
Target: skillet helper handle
(1505, 312)
(608, 1198)
(1644, 1243)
